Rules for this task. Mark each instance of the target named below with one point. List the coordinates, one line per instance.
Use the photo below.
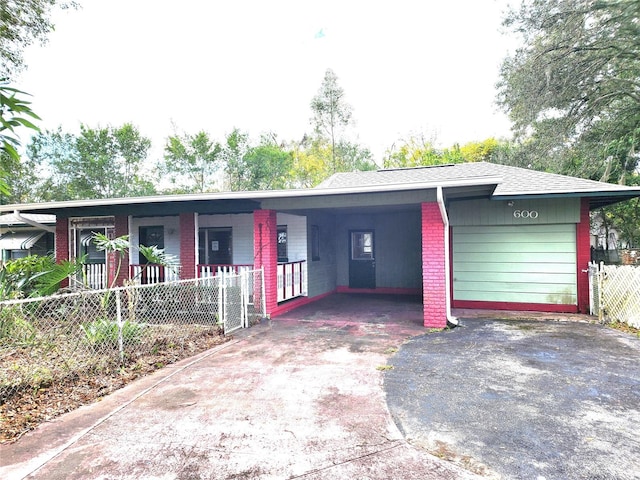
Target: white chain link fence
(615, 293)
(61, 337)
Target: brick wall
(583, 253)
(62, 243)
(266, 253)
(188, 252)
(433, 267)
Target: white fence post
(119, 319)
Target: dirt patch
(31, 405)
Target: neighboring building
(23, 235)
(475, 235)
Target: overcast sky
(406, 66)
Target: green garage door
(515, 263)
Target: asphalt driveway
(523, 399)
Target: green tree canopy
(190, 163)
(23, 22)
(572, 89)
(97, 163)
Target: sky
(407, 67)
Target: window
(87, 247)
(362, 245)
(315, 243)
(152, 236)
(283, 255)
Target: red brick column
(62, 243)
(433, 267)
(265, 253)
(188, 254)
(583, 256)
(120, 228)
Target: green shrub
(14, 328)
(107, 332)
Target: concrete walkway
(300, 397)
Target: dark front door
(219, 246)
(362, 260)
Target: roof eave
(606, 197)
(252, 195)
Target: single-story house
(23, 235)
(475, 235)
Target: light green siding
(515, 263)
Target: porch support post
(434, 300)
(583, 255)
(62, 243)
(120, 228)
(265, 253)
(188, 251)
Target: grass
(625, 327)
(384, 368)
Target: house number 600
(525, 213)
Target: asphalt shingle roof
(515, 181)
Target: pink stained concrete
(300, 397)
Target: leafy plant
(107, 332)
(14, 327)
(34, 275)
(14, 111)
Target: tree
(331, 114)
(15, 112)
(190, 162)
(233, 151)
(416, 151)
(23, 22)
(572, 88)
(21, 179)
(265, 166)
(309, 166)
(624, 217)
(98, 163)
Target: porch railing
(211, 270)
(292, 280)
(148, 274)
(94, 276)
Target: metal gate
(241, 298)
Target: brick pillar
(265, 253)
(62, 243)
(434, 302)
(583, 256)
(120, 228)
(188, 253)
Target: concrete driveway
(523, 399)
(298, 398)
